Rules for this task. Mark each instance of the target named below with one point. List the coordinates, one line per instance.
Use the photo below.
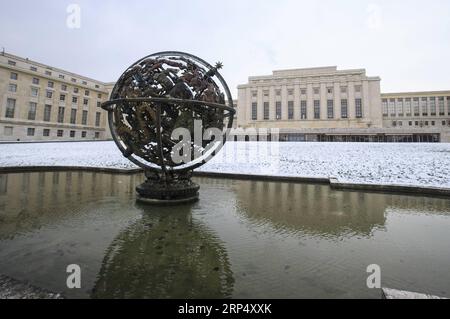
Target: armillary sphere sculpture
(169, 113)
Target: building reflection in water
(210, 249)
(32, 200)
(166, 254)
(318, 209)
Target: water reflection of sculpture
(312, 208)
(165, 255)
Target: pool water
(243, 239)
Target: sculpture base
(156, 191)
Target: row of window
(50, 85)
(49, 73)
(420, 123)
(303, 91)
(31, 131)
(424, 106)
(303, 110)
(32, 108)
(49, 95)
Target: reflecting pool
(243, 239)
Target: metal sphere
(161, 93)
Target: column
(351, 100)
(284, 102)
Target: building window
(358, 106)
(99, 104)
(75, 90)
(61, 76)
(358, 88)
(84, 117)
(13, 76)
(424, 106)
(426, 123)
(392, 107)
(8, 131)
(61, 114)
(343, 89)
(72, 133)
(83, 134)
(73, 116)
(316, 109)
(62, 97)
(416, 123)
(49, 94)
(290, 92)
(10, 108)
(316, 90)
(85, 101)
(254, 111)
(84, 83)
(384, 106)
(32, 68)
(34, 92)
(266, 110)
(443, 123)
(47, 112)
(330, 109)
(344, 108)
(60, 133)
(74, 100)
(35, 81)
(86, 92)
(266, 92)
(448, 105)
(32, 111)
(254, 93)
(410, 123)
(12, 88)
(97, 135)
(50, 84)
(63, 87)
(303, 109)
(416, 106)
(433, 106)
(408, 107)
(433, 123)
(290, 110)
(441, 106)
(11, 62)
(48, 73)
(73, 80)
(278, 110)
(99, 96)
(46, 132)
(303, 91)
(400, 107)
(30, 131)
(329, 90)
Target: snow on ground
(408, 164)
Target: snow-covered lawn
(408, 164)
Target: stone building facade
(327, 104)
(416, 112)
(42, 103)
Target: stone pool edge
(332, 181)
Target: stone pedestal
(167, 189)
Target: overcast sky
(405, 42)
